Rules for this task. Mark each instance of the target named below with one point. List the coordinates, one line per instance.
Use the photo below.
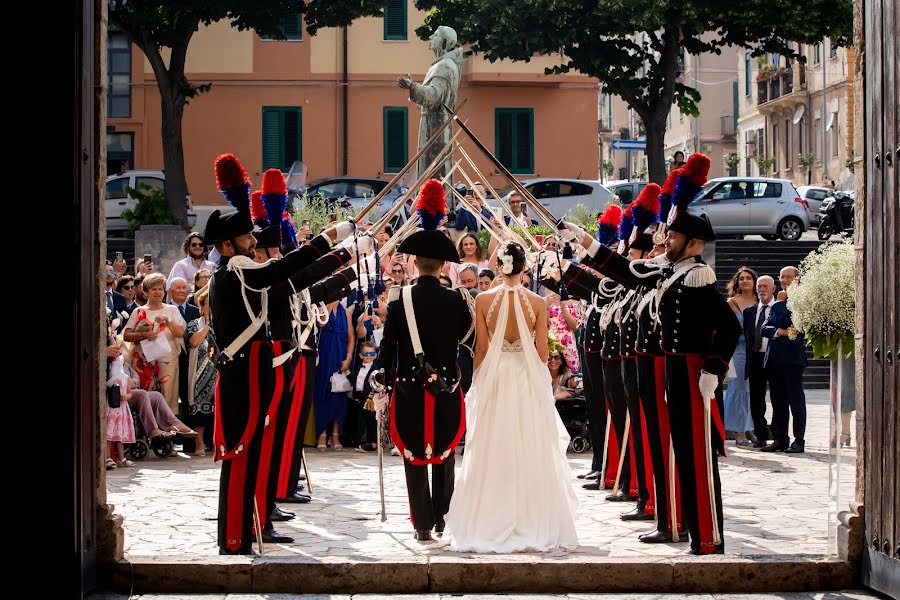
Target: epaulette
(700, 276)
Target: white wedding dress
(514, 492)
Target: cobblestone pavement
(774, 503)
(843, 595)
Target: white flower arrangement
(823, 300)
(505, 258)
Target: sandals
(321, 446)
(110, 464)
(187, 432)
(336, 442)
(124, 463)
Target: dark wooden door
(881, 561)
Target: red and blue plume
(274, 195)
(665, 195)
(626, 224)
(257, 210)
(232, 181)
(608, 224)
(693, 177)
(645, 208)
(288, 233)
(431, 204)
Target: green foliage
(317, 210)
(765, 164)
(732, 161)
(584, 217)
(152, 208)
(807, 160)
(850, 163)
(827, 345)
(609, 167)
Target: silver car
(562, 195)
(738, 206)
(118, 200)
(814, 197)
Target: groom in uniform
(427, 410)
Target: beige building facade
(787, 127)
(274, 102)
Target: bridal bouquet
(822, 300)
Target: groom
(427, 406)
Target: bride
(514, 492)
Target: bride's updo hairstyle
(511, 257)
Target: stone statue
(440, 87)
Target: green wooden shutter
(282, 136)
(291, 28)
(395, 133)
(514, 138)
(395, 20)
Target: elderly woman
(146, 324)
(201, 371)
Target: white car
(118, 200)
(814, 196)
(562, 195)
(738, 206)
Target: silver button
(676, 340)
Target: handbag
(339, 383)
(732, 371)
(113, 396)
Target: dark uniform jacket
(425, 428)
(693, 315)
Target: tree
(155, 25)
(633, 47)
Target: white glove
(343, 231)
(571, 232)
(381, 402)
(549, 265)
(365, 244)
(708, 385)
(367, 265)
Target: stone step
(525, 573)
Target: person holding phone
(194, 260)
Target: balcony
(775, 87)
(727, 127)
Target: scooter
(830, 224)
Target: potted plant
(732, 161)
(765, 163)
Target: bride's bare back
(534, 308)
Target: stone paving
(774, 504)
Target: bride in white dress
(514, 492)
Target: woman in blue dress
(741, 295)
(336, 342)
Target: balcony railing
(776, 84)
(728, 126)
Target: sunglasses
(398, 271)
(557, 357)
(127, 287)
(368, 353)
(196, 245)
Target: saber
(306, 471)
(257, 525)
(616, 489)
(428, 143)
(673, 501)
(482, 201)
(601, 479)
(707, 434)
(381, 465)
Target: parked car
(562, 195)
(739, 206)
(118, 200)
(814, 196)
(627, 191)
(353, 193)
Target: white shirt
(186, 269)
(759, 307)
(361, 377)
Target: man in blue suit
(785, 361)
(755, 366)
(465, 221)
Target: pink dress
(556, 324)
(119, 425)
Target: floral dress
(202, 368)
(556, 325)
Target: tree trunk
(656, 158)
(173, 151)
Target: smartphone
(305, 223)
(201, 322)
(147, 258)
(119, 257)
(539, 238)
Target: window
(332, 191)
(801, 142)
(762, 189)
(292, 28)
(747, 69)
(747, 165)
(366, 189)
(395, 135)
(835, 140)
(816, 194)
(788, 152)
(281, 137)
(395, 20)
(776, 60)
(514, 138)
(817, 54)
(115, 189)
(153, 183)
(775, 147)
(624, 193)
(832, 49)
(118, 99)
(817, 133)
(738, 190)
(558, 189)
(760, 142)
